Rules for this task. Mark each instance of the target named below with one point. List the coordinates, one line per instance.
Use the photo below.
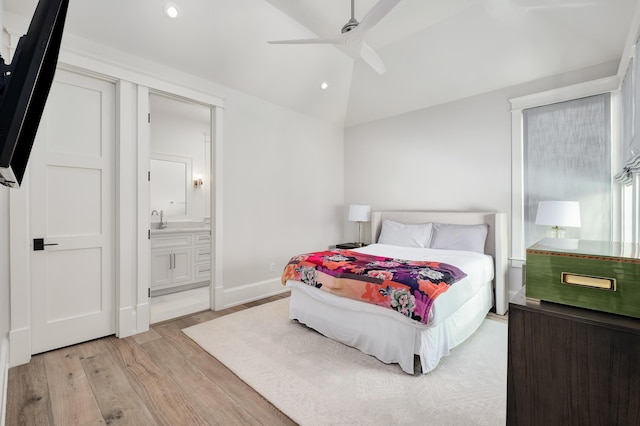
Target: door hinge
(149, 118)
(148, 234)
(149, 176)
(149, 292)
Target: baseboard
(4, 379)
(133, 320)
(19, 346)
(249, 292)
(143, 313)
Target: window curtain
(567, 157)
(630, 124)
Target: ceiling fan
(529, 5)
(510, 12)
(351, 39)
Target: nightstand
(348, 246)
(570, 366)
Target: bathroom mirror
(170, 190)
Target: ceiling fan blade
(560, 6)
(332, 40)
(554, 4)
(375, 15)
(371, 57)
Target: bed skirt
(386, 334)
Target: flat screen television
(25, 85)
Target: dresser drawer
(203, 254)
(203, 271)
(601, 276)
(203, 238)
(170, 241)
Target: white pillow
(406, 235)
(459, 237)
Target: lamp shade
(558, 213)
(359, 213)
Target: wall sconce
(197, 182)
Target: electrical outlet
(272, 267)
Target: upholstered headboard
(495, 245)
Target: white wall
(450, 157)
(455, 156)
(283, 188)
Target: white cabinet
(202, 246)
(179, 258)
(161, 272)
(182, 272)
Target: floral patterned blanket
(408, 287)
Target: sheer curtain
(567, 157)
(628, 152)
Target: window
(567, 157)
(605, 89)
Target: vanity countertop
(179, 227)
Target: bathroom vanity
(180, 257)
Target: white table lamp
(558, 215)
(359, 213)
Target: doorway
(179, 206)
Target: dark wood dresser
(571, 366)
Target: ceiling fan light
(324, 85)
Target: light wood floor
(159, 377)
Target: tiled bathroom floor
(179, 304)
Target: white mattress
(477, 266)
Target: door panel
(83, 283)
(66, 216)
(72, 205)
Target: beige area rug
(317, 381)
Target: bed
(454, 316)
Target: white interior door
(72, 209)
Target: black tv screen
(25, 85)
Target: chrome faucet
(162, 223)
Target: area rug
(317, 381)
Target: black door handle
(38, 244)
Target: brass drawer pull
(589, 281)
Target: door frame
(132, 186)
(216, 288)
(20, 249)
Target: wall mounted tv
(25, 85)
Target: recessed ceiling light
(324, 85)
(171, 10)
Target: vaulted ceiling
(435, 51)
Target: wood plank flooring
(155, 378)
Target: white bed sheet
(390, 336)
(478, 267)
(384, 333)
